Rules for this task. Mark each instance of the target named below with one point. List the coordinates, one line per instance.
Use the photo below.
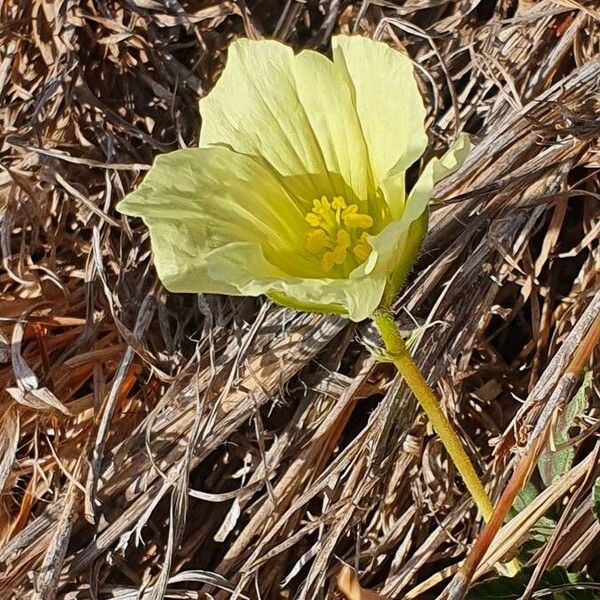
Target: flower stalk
(398, 353)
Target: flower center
(338, 233)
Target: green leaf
(554, 464)
(596, 498)
(559, 583)
(540, 532)
(544, 528)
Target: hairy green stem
(400, 356)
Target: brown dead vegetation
(156, 445)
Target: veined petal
(393, 188)
(356, 299)
(396, 247)
(294, 111)
(387, 100)
(242, 267)
(199, 200)
(435, 170)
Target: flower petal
(395, 249)
(435, 170)
(357, 299)
(387, 100)
(220, 223)
(294, 111)
(200, 200)
(242, 266)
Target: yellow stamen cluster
(336, 230)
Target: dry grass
(157, 445)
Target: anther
(316, 240)
(335, 232)
(313, 219)
(362, 248)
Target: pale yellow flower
(297, 190)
